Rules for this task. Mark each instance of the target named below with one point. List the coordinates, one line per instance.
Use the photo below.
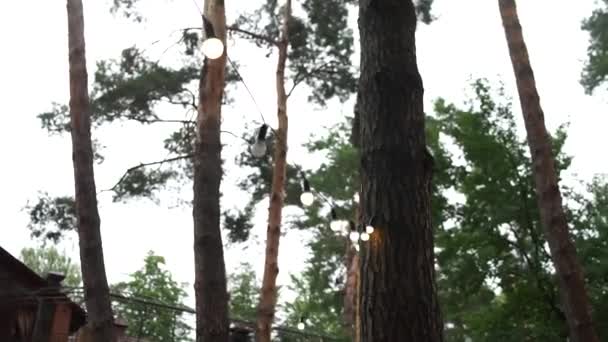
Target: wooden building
(32, 308)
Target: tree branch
(141, 165)
(234, 28)
(168, 121)
(305, 75)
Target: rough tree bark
(96, 291)
(268, 296)
(212, 323)
(568, 269)
(398, 292)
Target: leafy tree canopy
(244, 291)
(152, 283)
(595, 71)
(48, 259)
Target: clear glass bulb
(258, 149)
(369, 229)
(354, 236)
(301, 326)
(336, 225)
(213, 48)
(364, 236)
(307, 198)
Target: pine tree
(568, 269)
(268, 295)
(398, 291)
(97, 294)
(209, 267)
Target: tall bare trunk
(268, 297)
(210, 270)
(568, 269)
(398, 292)
(96, 291)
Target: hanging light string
(212, 50)
(354, 232)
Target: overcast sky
(467, 41)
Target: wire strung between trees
(61, 295)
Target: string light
(356, 197)
(306, 197)
(369, 227)
(364, 236)
(212, 47)
(354, 234)
(258, 148)
(335, 225)
(301, 324)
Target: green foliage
(152, 283)
(591, 232)
(244, 291)
(495, 278)
(257, 184)
(321, 45)
(143, 182)
(128, 8)
(595, 71)
(48, 259)
(50, 217)
(423, 9)
(129, 88)
(494, 255)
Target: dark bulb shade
(262, 132)
(306, 185)
(351, 225)
(334, 216)
(208, 26)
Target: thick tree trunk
(212, 323)
(268, 296)
(96, 291)
(568, 269)
(398, 293)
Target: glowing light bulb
(354, 236)
(302, 323)
(369, 229)
(336, 225)
(213, 48)
(258, 149)
(364, 236)
(356, 197)
(357, 247)
(307, 198)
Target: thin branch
(168, 121)
(141, 165)
(194, 105)
(236, 136)
(182, 103)
(234, 28)
(302, 76)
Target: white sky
(467, 41)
